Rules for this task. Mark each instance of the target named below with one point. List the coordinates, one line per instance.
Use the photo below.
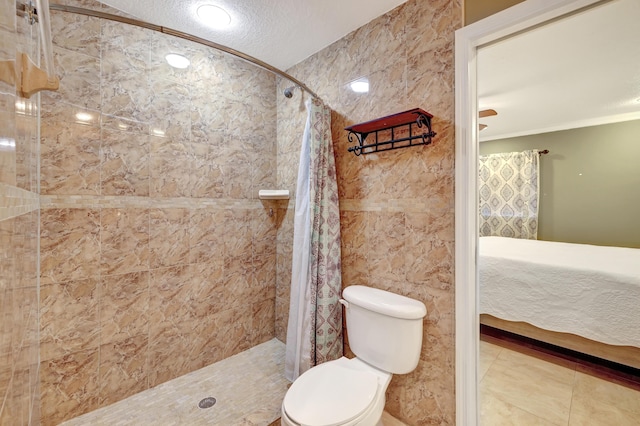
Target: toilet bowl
(344, 392)
(385, 334)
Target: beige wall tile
(262, 321)
(238, 332)
(69, 386)
(170, 167)
(207, 176)
(124, 306)
(69, 244)
(169, 110)
(124, 163)
(70, 158)
(124, 236)
(79, 78)
(168, 237)
(69, 319)
(76, 32)
(8, 152)
(207, 294)
(168, 358)
(206, 235)
(123, 369)
(386, 241)
(238, 238)
(27, 149)
(161, 46)
(169, 302)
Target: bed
(582, 297)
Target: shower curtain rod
(185, 36)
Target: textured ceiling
(579, 71)
(278, 32)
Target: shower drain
(207, 402)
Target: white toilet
(385, 334)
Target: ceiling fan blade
(487, 113)
(482, 126)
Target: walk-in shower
(157, 257)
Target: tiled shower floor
(249, 388)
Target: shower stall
(142, 251)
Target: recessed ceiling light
(214, 16)
(177, 61)
(360, 86)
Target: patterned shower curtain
(314, 332)
(509, 194)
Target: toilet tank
(384, 329)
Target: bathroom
(140, 253)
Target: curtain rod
(544, 151)
(185, 36)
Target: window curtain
(509, 194)
(314, 331)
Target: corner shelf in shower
(273, 194)
(401, 130)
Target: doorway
(520, 18)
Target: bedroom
(580, 106)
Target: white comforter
(591, 291)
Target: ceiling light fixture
(360, 86)
(177, 61)
(214, 16)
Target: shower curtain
(509, 194)
(314, 332)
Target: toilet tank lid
(384, 302)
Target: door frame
(468, 40)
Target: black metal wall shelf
(392, 132)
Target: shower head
(288, 92)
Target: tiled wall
(19, 385)
(157, 256)
(397, 206)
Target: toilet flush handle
(344, 302)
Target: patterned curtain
(314, 332)
(326, 275)
(509, 194)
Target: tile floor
(249, 388)
(521, 387)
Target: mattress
(590, 291)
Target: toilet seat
(330, 394)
